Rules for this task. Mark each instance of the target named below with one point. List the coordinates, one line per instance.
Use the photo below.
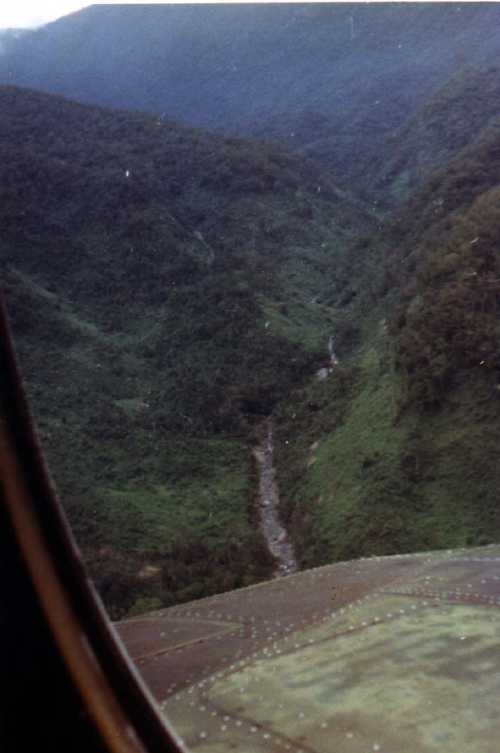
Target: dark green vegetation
(454, 118)
(155, 282)
(397, 451)
(170, 288)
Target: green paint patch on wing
(423, 680)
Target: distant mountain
(367, 67)
(455, 117)
(11, 34)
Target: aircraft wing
(393, 654)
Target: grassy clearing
(151, 520)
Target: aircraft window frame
(115, 701)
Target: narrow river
(274, 533)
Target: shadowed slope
(454, 118)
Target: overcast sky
(30, 13)
(27, 13)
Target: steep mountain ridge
(454, 118)
(366, 66)
(398, 451)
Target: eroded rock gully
(275, 534)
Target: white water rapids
(276, 536)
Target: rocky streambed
(275, 534)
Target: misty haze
(251, 258)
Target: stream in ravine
(274, 533)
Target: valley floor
(276, 536)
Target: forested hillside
(166, 289)
(455, 117)
(398, 452)
(171, 288)
(257, 68)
